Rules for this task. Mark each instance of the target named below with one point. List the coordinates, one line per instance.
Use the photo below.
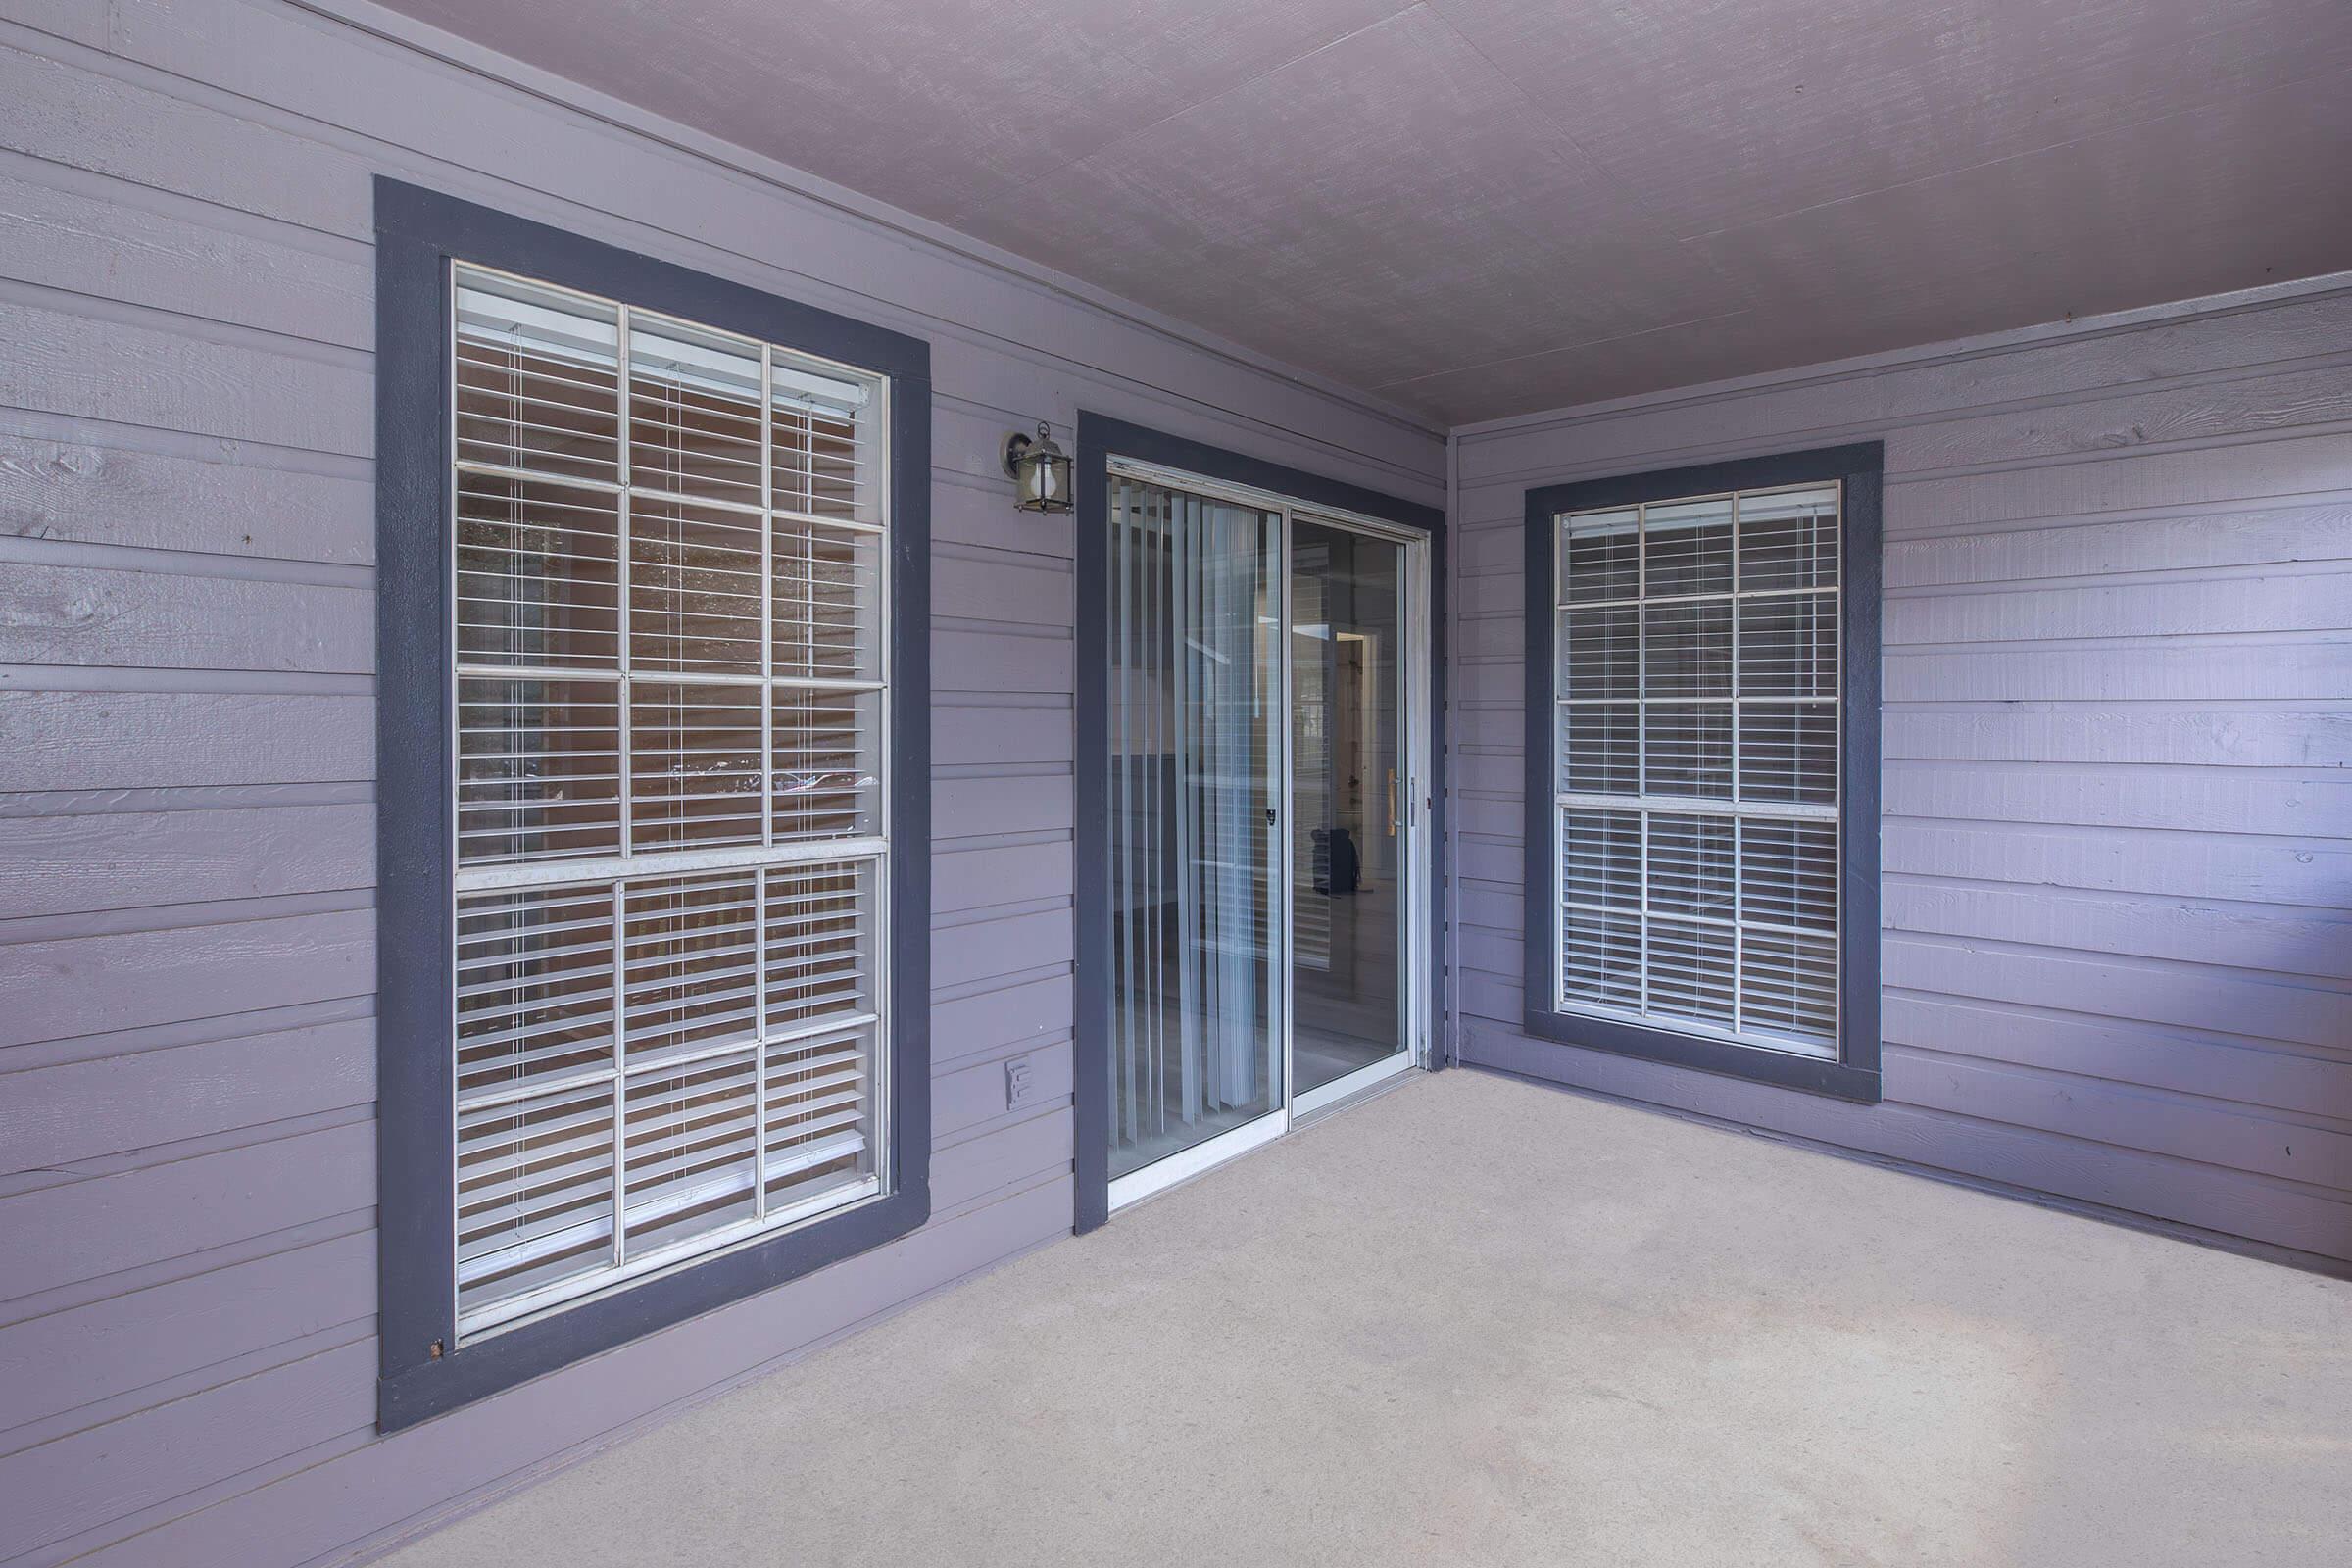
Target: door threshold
(1186, 1164)
(1359, 1086)
(1340, 1093)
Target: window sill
(1756, 1063)
(558, 1339)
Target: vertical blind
(1192, 693)
(671, 829)
(1695, 734)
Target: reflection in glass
(1348, 802)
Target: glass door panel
(1350, 788)
(1194, 688)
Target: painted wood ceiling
(1477, 207)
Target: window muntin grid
(1696, 764)
(671, 834)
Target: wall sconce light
(1040, 471)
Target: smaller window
(1702, 695)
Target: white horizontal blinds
(1697, 689)
(671, 836)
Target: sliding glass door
(1351, 808)
(1267, 745)
(1195, 694)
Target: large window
(1705, 689)
(670, 753)
(671, 786)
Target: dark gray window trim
(418, 232)
(1099, 437)
(1854, 1075)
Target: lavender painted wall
(2117, 670)
(187, 1160)
(2117, 825)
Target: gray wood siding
(2117, 717)
(187, 1041)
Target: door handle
(1391, 803)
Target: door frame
(1196, 464)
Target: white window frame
(616, 871)
(1646, 806)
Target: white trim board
(2005, 341)
(448, 48)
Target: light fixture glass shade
(1040, 471)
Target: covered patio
(1479, 1320)
(1193, 782)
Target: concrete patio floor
(1475, 1320)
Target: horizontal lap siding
(187, 1032)
(2117, 837)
